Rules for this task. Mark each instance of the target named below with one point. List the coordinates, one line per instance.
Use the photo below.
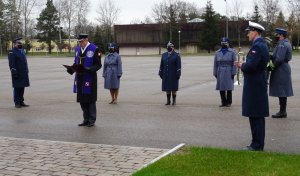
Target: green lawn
(193, 161)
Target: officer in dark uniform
(170, 72)
(19, 72)
(224, 71)
(255, 103)
(281, 79)
(86, 64)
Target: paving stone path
(28, 157)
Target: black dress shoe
(280, 115)
(83, 124)
(90, 124)
(24, 105)
(252, 149)
(18, 106)
(222, 105)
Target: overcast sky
(138, 9)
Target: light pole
(179, 41)
(226, 20)
(59, 30)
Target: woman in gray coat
(281, 79)
(112, 72)
(224, 71)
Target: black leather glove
(232, 76)
(119, 76)
(161, 76)
(70, 71)
(215, 76)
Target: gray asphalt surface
(140, 118)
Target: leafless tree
(236, 11)
(107, 15)
(27, 8)
(269, 9)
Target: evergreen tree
(210, 31)
(98, 40)
(48, 24)
(280, 22)
(256, 17)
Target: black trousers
(226, 97)
(89, 112)
(19, 95)
(257, 125)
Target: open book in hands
(74, 68)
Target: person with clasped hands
(255, 104)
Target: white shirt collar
(82, 50)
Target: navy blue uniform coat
(255, 96)
(19, 68)
(170, 71)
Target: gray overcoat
(224, 69)
(112, 71)
(281, 79)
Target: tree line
(64, 19)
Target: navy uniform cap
(82, 36)
(280, 31)
(170, 44)
(255, 27)
(18, 39)
(224, 40)
(112, 45)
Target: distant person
(86, 64)
(281, 79)
(19, 72)
(112, 72)
(255, 104)
(224, 72)
(170, 72)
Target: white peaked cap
(253, 25)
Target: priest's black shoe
(83, 124)
(280, 115)
(24, 105)
(90, 124)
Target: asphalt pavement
(140, 119)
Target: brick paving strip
(29, 157)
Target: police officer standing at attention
(112, 72)
(86, 64)
(255, 103)
(281, 79)
(224, 71)
(19, 72)
(170, 72)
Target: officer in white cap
(281, 79)
(255, 104)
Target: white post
(179, 41)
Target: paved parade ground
(140, 119)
